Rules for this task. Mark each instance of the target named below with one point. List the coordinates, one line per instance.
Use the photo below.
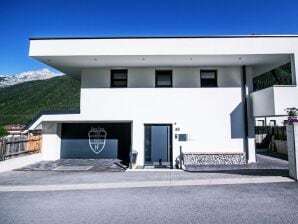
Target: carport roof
(161, 37)
(72, 55)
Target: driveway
(46, 173)
(172, 196)
(99, 165)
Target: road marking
(98, 186)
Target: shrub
(3, 132)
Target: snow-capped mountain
(8, 80)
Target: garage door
(96, 140)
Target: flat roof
(166, 37)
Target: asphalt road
(249, 203)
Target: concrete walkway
(19, 162)
(147, 184)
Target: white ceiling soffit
(72, 65)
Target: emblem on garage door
(97, 139)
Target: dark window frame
(209, 70)
(113, 71)
(160, 73)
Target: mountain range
(9, 80)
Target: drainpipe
(244, 107)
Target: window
(260, 123)
(118, 78)
(272, 123)
(163, 78)
(208, 78)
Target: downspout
(244, 107)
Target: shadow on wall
(237, 122)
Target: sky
(22, 19)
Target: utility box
(133, 157)
(182, 137)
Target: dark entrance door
(158, 144)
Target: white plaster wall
(183, 77)
(229, 76)
(285, 97)
(186, 77)
(141, 78)
(263, 102)
(51, 142)
(212, 117)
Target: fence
(264, 135)
(15, 145)
(279, 132)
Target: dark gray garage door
(96, 140)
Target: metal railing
(266, 134)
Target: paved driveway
(216, 196)
(99, 165)
(266, 167)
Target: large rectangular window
(163, 78)
(118, 78)
(208, 78)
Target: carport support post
(248, 115)
(292, 141)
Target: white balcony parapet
(273, 101)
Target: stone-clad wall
(214, 159)
(292, 140)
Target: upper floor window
(163, 78)
(119, 78)
(208, 78)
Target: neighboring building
(163, 95)
(14, 128)
(271, 121)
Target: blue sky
(22, 19)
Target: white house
(162, 96)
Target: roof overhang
(71, 55)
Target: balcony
(274, 100)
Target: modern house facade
(164, 99)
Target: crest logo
(97, 139)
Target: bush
(3, 132)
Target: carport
(96, 141)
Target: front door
(158, 144)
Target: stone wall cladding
(214, 158)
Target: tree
(3, 132)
